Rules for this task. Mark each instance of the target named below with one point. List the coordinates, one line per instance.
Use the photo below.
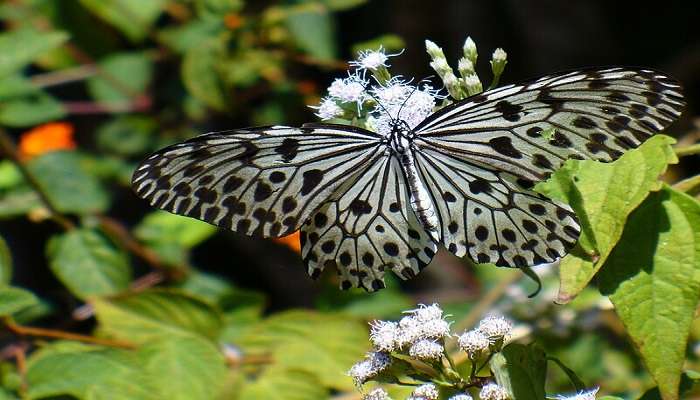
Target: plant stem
(56, 334)
(8, 148)
(687, 150)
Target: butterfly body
(462, 178)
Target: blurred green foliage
(132, 76)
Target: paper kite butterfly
(461, 178)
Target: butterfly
(462, 178)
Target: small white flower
(584, 395)
(393, 92)
(435, 329)
(426, 350)
(361, 372)
(473, 342)
(427, 313)
(441, 66)
(499, 55)
(372, 59)
(328, 109)
(469, 49)
(374, 363)
(472, 81)
(377, 394)
(493, 391)
(461, 396)
(434, 50)
(383, 335)
(465, 67)
(495, 327)
(349, 90)
(410, 331)
(428, 392)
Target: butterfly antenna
(426, 79)
(376, 100)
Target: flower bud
(469, 50)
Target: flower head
(349, 90)
(377, 394)
(493, 391)
(374, 363)
(372, 59)
(426, 350)
(461, 396)
(384, 334)
(425, 392)
(469, 49)
(399, 100)
(583, 395)
(473, 342)
(328, 109)
(427, 313)
(495, 327)
(499, 55)
(410, 331)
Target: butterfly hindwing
(492, 216)
(532, 128)
(259, 181)
(366, 227)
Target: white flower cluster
(492, 329)
(421, 333)
(374, 363)
(377, 394)
(382, 101)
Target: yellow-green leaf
(133, 17)
(653, 279)
(278, 383)
(14, 299)
(21, 47)
(603, 195)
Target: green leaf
(68, 183)
(5, 263)
(603, 195)
(133, 17)
(181, 38)
(87, 372)
(184, 368)
(284, 384)
(342, 5)
(521, 370)
(688, 380)
(129, 75)
(30, 110)
(14, 299)
(201, 76)
(386, 303)
(88, 264)
(653, 279)
(22, 46)
(217, 8)
(171, 236)
(325, 345)
(313, 30)
(126, 135)
(153, 314)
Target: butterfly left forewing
(260, 181)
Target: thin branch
(687, 150)
(21, 330)
(8, 148)
(56, 78)
(137, 104)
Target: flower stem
(687, 150)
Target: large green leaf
(313, 30)
(5, 263)
(603, 195)
(88, 264)
(14, 299)
(133, 17)
(68, 183)
(89, 373)
(21, 47)
(521, 370)
(129, 75)
(325, 345)
(184, 367)
(153, 314)
(126, 135)
(278, 383)
(653, 279)
(29, 110)
(201, 76)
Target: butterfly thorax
(400, 141)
